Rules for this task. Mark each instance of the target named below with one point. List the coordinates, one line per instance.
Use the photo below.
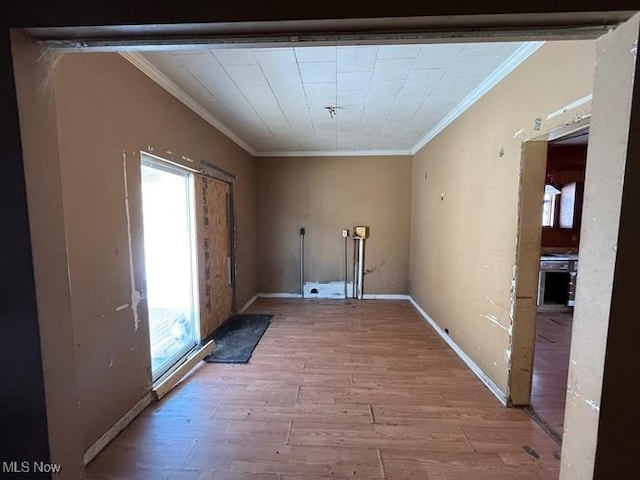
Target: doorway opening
(169, 238)
(553, 177)
(558, 277)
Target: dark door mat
(237, 337)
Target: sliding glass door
(167, 199)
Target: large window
(167, 197)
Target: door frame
(525, 296)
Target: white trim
(170, 379)
(571, 106)
(509, 65)
(473, 366)
(334, 153)
(117, 427)
(160, 389)
(559, 133)
(161, 79)
(367, 296)
(179, 166)
(326, 290)
(249, 303)
(499, 394)
(279, 295)
(386, 296)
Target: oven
(558, 280)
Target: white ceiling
(389, 99)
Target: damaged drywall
(135, 294)
(102, 204)
(326, 195)
(465, 217)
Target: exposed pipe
(302, 233)
(360, 268)
(354, 289)
(345, 234)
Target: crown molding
(146, 67)
(519, 56)
(333, 153)
(508, 66)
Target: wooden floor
(335, 390)
(551, 367)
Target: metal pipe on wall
(302, 233)
(360, 234)
(354, 286)
(360, 268)
(345, 235)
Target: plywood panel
(214, 253)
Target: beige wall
(465, 194)
(48, 242)
(107, 112)
(325, 195)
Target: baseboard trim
(279, 295)
(473, 366)
(163, 388)
(93, 451)
(159, 390)
(249, 303)
(385, 296)
(367, 296)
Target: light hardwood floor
(335, 390)
(551, 367)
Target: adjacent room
(559, 249)
(404, 216)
